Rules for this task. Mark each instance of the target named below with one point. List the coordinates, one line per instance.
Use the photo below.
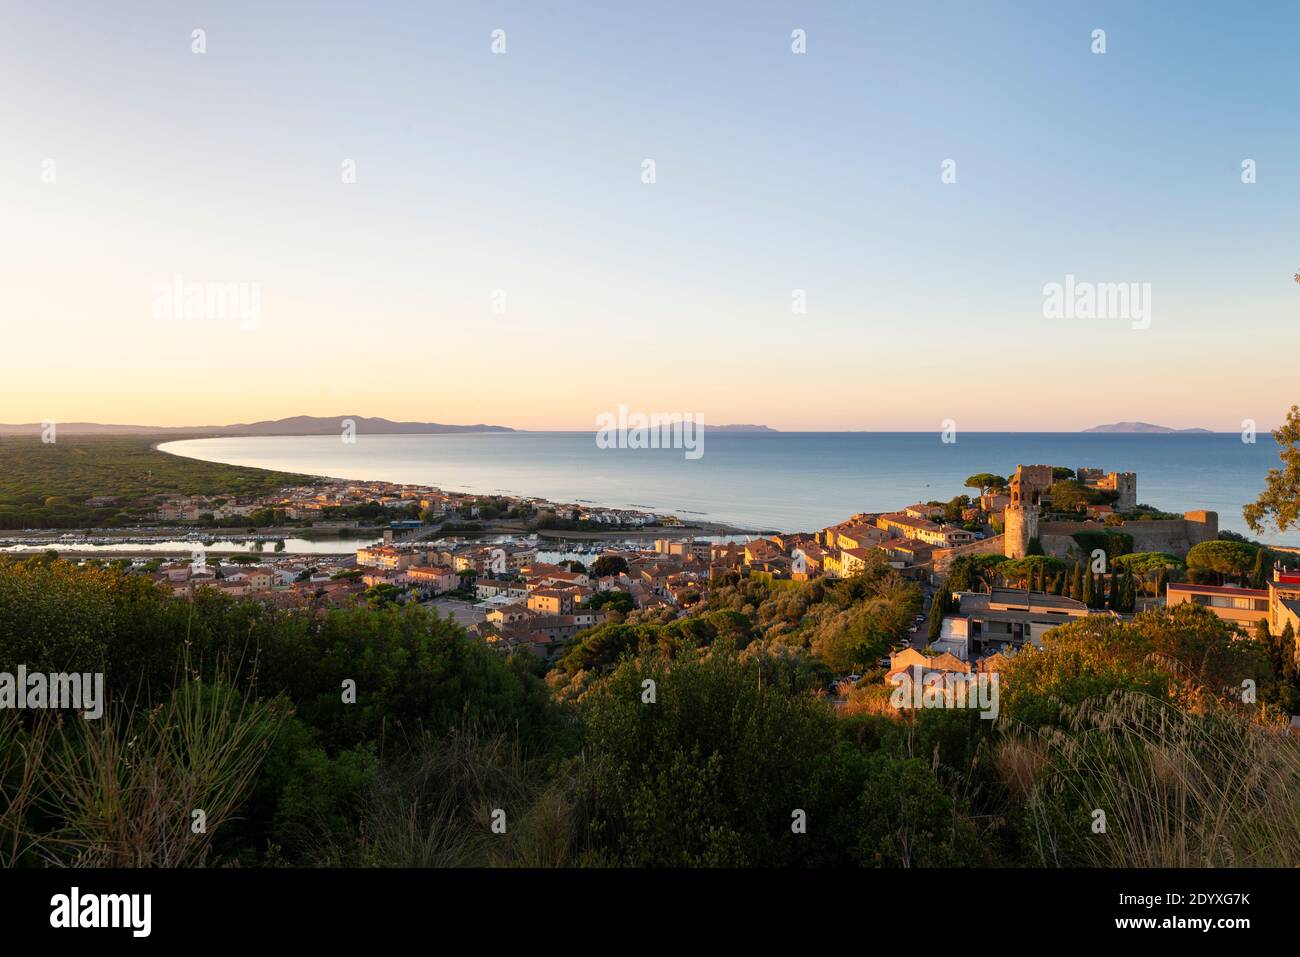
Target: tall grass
(22, 752)
(436, 807)
(1178, 788)
(124, 790)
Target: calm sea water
(787, 480)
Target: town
(998, 567)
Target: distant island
(739, 428)
(296, 425)
(1143, 427)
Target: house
(854, 561)
(507, 614)
(761, 549)
(1242, 607)
(905, 552)
(668, 546)
(859, 536)
(807, 560)
(1284, 602)
(922, 529)
(490, 588)
(1003, 620)
(385, 557)
(435, 579)
(901, 663)
(551, 601)
(921, 510)
(260, 578)
(559, 577)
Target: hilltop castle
(1031, 486)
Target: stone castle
(1032, 484)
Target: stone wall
(1175, 536)
(943, 557)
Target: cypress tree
(1287, 643)
(1112, 591)
(1287, 650)
(1089, 596)
(937, 608)
(1263, 636)
(1259, 577)
(1076, 583)
(1162, 580)
(1128, 592)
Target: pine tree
(1076, 583)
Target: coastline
(698, 524)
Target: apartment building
(1242, 607)
(1003, 620)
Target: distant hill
(322, 425)
(738, 428)
(295, 425)
(1145, 427)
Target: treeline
(47, 485)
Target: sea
(763, 481)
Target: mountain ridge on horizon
(292, 425)
(1145, 428)
(378, 425)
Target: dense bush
(706, 740)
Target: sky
(499, 257)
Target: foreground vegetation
(387, 737)
(46, 485)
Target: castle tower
(1019, 526)
(1126, 485)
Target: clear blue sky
(775, 172)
